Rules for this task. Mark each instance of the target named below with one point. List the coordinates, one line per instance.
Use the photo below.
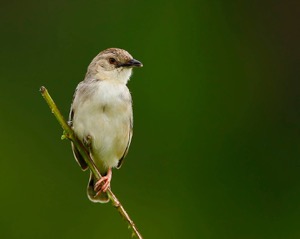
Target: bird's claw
(103, 183)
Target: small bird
(101, 116)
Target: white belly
(106, 116)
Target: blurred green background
(215, 152)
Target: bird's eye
(112, 60)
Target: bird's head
(112, 64)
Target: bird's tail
(92, 195)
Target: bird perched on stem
(101, 116)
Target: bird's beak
(131, 63)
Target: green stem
(69, 133)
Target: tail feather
(92, 195)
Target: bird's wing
(76, 153)
(79, 158)
(128, 143)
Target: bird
(101, 116)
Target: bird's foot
(104, 183)
(87, 141)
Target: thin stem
(69, 133)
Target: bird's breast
(111, 95)
(106, 116)
(108, 102)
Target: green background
(215, 151)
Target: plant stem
(69, 133)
